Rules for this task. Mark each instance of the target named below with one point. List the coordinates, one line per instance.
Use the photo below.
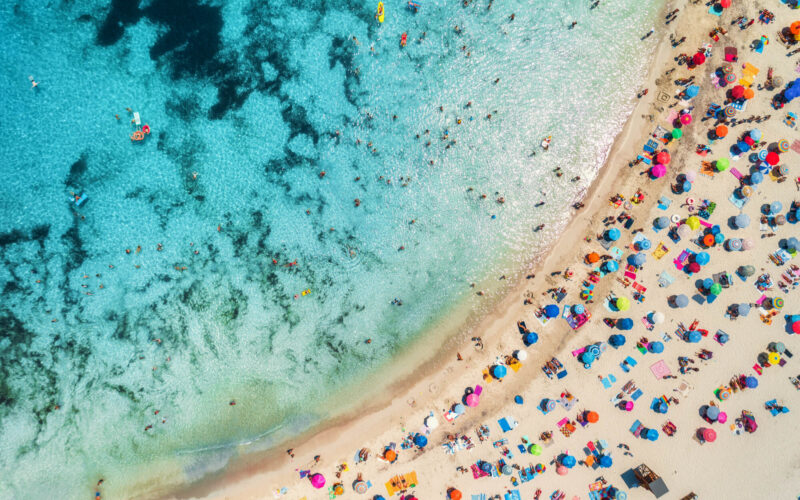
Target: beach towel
(631, 361)
(615, 252)
(507, 424)
(664, 203)
(665, 279)
(738, 202)
(636, 394)
(513, 495)
(731, 54)
(796, 146)
(735, 172)
(660, 369)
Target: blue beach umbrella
(692, 91)
(742, 146)
(656, 347)
(775, 207)
(613, 234)
(568, 461)
(793, 243)
(518, 399)
(756, 178)
(645, 244)
(617, 340)
(661, 222)
(420, 440)
(551, 311)
(486, 467)
(723, 338)
(707, 283)
(687, 186)
(712, 412)
(637, 259)
(611, 266)
(625, 324)
(531, 338)
(702, 258)
(578, 309)
(681, 300)
(587, 357)
(751, 382)
(715, 229)
(694, 336)
(741, 221)
(744, 309)
(719, 238)
(499, 371)
(652, 435)
(606, 461)
(458, 409)
(755, 134)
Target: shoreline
(263, 467)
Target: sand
(734, 466)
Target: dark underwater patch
(76, 171)
(123, 13)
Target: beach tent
(551, 311)
(681, 300)
(625, 324)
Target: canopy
(656, 347)
(661, 222)
(709, 435)
(702, 258)
(712, 412)
(699, 58)
(472, 400)
(625, 324)
(499, 371)
(611, 266)
(742, 221)
(663, 157)
(531, 338)
(606, 461)
(623, 304)
(681, 300)
(721, 131)
(658, 170)
(613, 234)
(694, 336)
(317, 480)
(617, 340)
(420, 440)
(551, 311)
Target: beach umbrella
(519, 400)
(338, 489)
(535, 449)
(783, 145)
(749, 141)
(561, 470)
(486, 467)
(734, 244)
(778, 302)
(780, 220)
(693, 222)
(592, 257)
(702, 258)
(551, 311)
(431, 422)
(606, 461)
(745, 191)
(747, 244)
(709, 435)
(686, 119)
(420, 440)
(578, 309)
(499, 371)
(506, 470)
(751, 382)
(686, 187)
(694, 336)
(729, 111)
(775, 207)
(588, 357)
(707, 283)
(652, 435)
(773, 158)
(715, 289)
(796, 327)
(611, 266)
(623, 304)
(779, 347)
(774, 358)
(693, 267)
(625, 324)
(708, 240)
(472, 400)
(531, 338)
(454, 494)
(360, 487)
(661, 407)
(755, 134)
(746, 270)
(617, 340)
(742, 221)
(727, 68)
(521, 355)
(699, 58)
(657, 317)
(742, 146)
(725, 3)
(684, 231)
(721, 131)
(749, 93)
(613, 234)
(793, 243)
(568, 461)
(722, 164)
(658, 171)
(677, 133)
(712, 412)
(459, 409)
(691, 91)
(637, 259)
(756, 178)
(592, 417)
(644, 245)
(661, 222)
(681, 300)
(723, 338)
(656, 347)
(317, 480)
(691, 176)
(730, 78)
(719, 238)
(737, 92)
(783, 170)
(722, 418)
(724, 394)
(663, 157)
(795, 27)
(539, 468)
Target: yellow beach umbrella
(623, 304)
(774, 358)
(693, 222)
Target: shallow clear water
(257, 98)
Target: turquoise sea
(228, 220)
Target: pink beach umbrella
(561, 470)
(748, 244)
(628, 405)
(472, 400)
(709, 435)
(658, 171)
(686, 119)
(317, 480)
(722, 418)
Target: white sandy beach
(737, 465)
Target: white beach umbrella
(658, 317)
(521, 355)
(431, 422)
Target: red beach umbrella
(749, 141)
(737, 92)
(709, 435)
(694, 267)
(796, 327)
(725, 3)
(773, 158)
(663, 158)
(721, 131)
(699, 58)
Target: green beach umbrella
(723, 164)
(715, 289)
(535, 449)
(677, 133)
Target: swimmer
(194, 175)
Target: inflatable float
(403, 40)
(379, 14)
(546, 142)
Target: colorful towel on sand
(660, 369)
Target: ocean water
(176, 287)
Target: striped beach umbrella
(727, 68)
(730, 78)
(783, 145)
(729, 111)
(360, 487)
